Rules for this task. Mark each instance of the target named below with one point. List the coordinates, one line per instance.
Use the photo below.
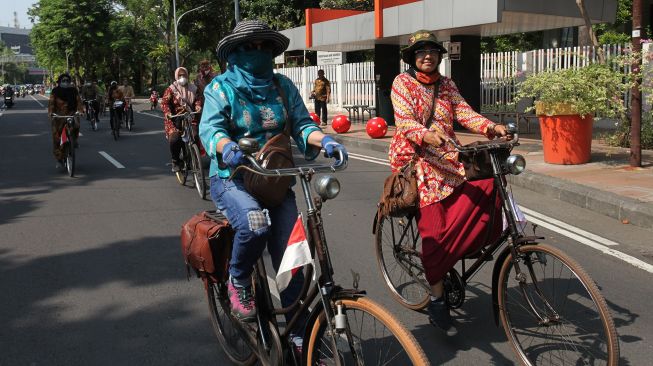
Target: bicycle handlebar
(487, 145)
(54, 115)
(292, 172)
(184, 114)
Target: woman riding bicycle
(245, 102)
(453, 214)
(178, 98)
(64, 101)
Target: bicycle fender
(376, 219)
(495, 283)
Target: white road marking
(581, 236)
(576, 231)
(37, 101)
(150, 114)
(111, 160)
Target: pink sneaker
(243, 306)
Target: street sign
(330, 58)
(454, 51)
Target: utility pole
(237, 10)
(636, 93)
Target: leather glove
(331, 147)
(232, 155)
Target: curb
(606, 203)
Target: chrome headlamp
(516, 164)
(327, 186)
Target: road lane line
(602, 248)
(150, 114)
(111, 160)
(572, 232)
(588, 235)
(37, 101)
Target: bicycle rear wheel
(398, 248)
(198, 171)
(575, 326)
(224, 326)
(373, 337)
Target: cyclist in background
(90, 95)
(204, 76)
(128, 93)
(64, 101)
(115, 94)
(179, 97)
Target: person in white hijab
(179, 97)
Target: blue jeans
(255, 227)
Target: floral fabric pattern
(438, 169)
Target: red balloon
(376, 127)
(341, 123)
(315, 118)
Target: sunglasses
(423, 53)
(257, 45)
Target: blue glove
(331, 147)
(232, 156)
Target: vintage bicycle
(67, 141)
(190, 156)
(129, 114)
(90, 112)
(117, 111)
(550, 309)
(343, 327)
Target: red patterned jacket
(438, 169)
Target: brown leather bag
(206, 241)
(275, 154)
(400, 196)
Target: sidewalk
(607, 185)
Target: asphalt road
(91, 271)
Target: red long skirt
(458, 225)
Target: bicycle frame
(317, 243)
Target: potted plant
(567, 101)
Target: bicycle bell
(327, 186)
(248, 145)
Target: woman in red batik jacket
(454, 214)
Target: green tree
(364, 5)
(70, 32)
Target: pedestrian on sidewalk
(321, 95)
(453, 214)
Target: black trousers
(321, 109)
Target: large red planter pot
(566, 139)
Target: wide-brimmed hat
(251, 30)
(417, 40)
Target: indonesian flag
(64, 137)
(296, 255)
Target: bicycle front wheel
(553, 312)
(398, 247)
(229, 337)
(373, 336)
(198, 171)
(70, 153)
(182, 174)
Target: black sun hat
(417, 40)
(252, 30)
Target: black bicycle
(343, 326)
(551, 310)
(129, 114)
(90, 112)
(68, 142)
(117, 110)
(190, 157)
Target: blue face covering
(251, 73)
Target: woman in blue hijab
(244, 102)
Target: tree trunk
(589, 30)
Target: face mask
(254, 61)
(65, 84)
(183, 80)
(88, 84)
